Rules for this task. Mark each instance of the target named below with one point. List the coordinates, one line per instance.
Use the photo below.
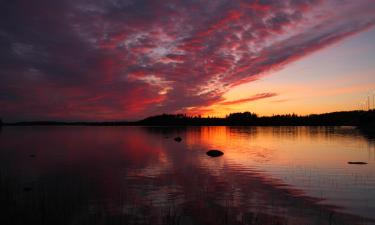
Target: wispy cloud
(124, 59)
(250, 99)
(281, 100)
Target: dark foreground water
(140, 175)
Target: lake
(141, 175)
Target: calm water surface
(140, 175)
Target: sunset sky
(128, 59)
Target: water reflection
(312, 159)
(140, 175)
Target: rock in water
(178, 139)
(358, 163)
(215, 153)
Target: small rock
(178, 139)
(215, 153)
(358, 163)
(32, 155)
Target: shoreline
(361, 119)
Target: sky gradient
(128, 59)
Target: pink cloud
(114, 60)
(250, 99)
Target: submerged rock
(215, 153)
(358, 163)
(178, 139)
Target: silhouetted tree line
(179, 120)
(349, 118)
(367, 121)
(363, 119)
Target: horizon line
(172, 114)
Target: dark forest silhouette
(363, 119)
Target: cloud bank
(127, 59)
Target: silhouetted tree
(244, 117)
(367, 120)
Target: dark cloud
(126, 59)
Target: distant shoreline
(362, 119)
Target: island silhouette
(362, 119)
